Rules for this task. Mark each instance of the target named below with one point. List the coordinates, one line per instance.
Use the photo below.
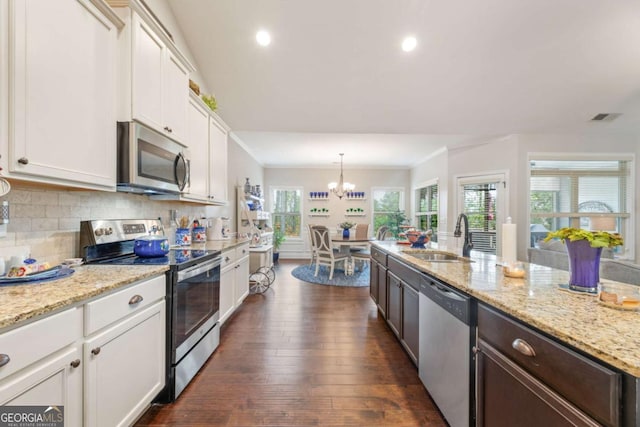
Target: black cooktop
(177, 258)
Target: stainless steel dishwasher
(445, 362)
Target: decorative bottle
(247, 187)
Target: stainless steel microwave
(149, 162)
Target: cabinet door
(373, 281)
(382, 291)
(147, 62)
(508, 396)
(198, 141)
(394, 310)
(227, 297)
(63, 80)
(125, 368)
(176, 98)
(217, 162)
(410, 321)
(242, 280)
(54, 381)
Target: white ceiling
(334, 78)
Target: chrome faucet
(468, 242)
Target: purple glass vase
(584, 266)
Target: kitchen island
(575, 321)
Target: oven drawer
(113, 307)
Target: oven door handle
(199, 269)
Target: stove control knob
(99, 231)
(108, 231)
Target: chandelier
(340, 188)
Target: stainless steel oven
(195, 305)
(193, 292)
(149, 162)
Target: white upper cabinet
(62, 91)
(153, 76)
(218, 133)
(198, 150)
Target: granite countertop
(607, 334)
(223, 245)
(27, 301)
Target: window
(427, 209)
(387, 204)
(287, 208)
(580, 192)
(483, 199)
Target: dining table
(346, 243)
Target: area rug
(305, 273)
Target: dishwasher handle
(445, 292)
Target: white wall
(317, 180)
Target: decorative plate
(50, 274)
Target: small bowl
(620, 296)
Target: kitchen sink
(434, 256)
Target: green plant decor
(211, 102)
(278, 239)
(597, 239)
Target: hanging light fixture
(340, 188)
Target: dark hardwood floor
(303, 355)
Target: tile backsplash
(48, 219)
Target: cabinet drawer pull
(523, 347)
(95, 351)
(23, 161)
(227, 259)
(4, 359)
(135, 299)
(75, 363)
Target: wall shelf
(355, 214)
(356, 199)
(320, 214)
(314, 199)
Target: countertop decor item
(585, 248)
(345, 228)
(210, 100)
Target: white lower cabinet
(109, 376)
(241, 285)
(44, 365)
(124, 365)
(124, 368)
(234, 280)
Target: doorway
(483, 199)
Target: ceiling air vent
(605, 117)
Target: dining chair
(325, 255)
(382, 232)
(362, 232)
(314, 246)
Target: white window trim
(272, 188)
(401, 202)
(630, 250)
(502, 207)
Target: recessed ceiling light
(409, 44)
(263, 38)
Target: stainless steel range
(193, 292)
